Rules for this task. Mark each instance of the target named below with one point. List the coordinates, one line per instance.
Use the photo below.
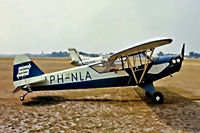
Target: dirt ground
(119, 109)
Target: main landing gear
(147, 94)
(157, 97)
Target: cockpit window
(107, 66)
(137, 61)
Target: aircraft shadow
(52, 100)
(177, 111)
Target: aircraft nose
(176, 60)
(173, 60)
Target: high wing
(141, 47)
(138, 48)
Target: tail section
(24, 69)
(74, 54)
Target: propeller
(183, 51)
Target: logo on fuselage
(23, 71)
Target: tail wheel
(157, 98)
(147, 94)
(22, 98)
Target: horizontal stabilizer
(30, 81)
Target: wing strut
(146, 65)
(131, 67)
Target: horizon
(43, 53)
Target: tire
(22, 98)
(157, 98)
(147, 94)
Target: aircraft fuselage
(83, 77)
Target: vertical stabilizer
(74, 54)
(24, 68)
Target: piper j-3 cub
(137, 68)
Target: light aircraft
(79, 61)
(137, 68)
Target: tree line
(61, 54)
(192, 54)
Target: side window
(107, 66)
(138, 61)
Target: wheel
(147, 94)
(22, 98)
(157, 98)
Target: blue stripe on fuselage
(100, 83)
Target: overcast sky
(33, 26)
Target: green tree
(160, 53)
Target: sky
(96, 26)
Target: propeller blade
(183, 51)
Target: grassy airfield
(119, 109)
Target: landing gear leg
(28, 90)
(147, 94)
(157, 97)
(22, 97)
(149, 89)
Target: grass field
(119, 109)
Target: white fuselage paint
(155, 69)
(78, 74)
